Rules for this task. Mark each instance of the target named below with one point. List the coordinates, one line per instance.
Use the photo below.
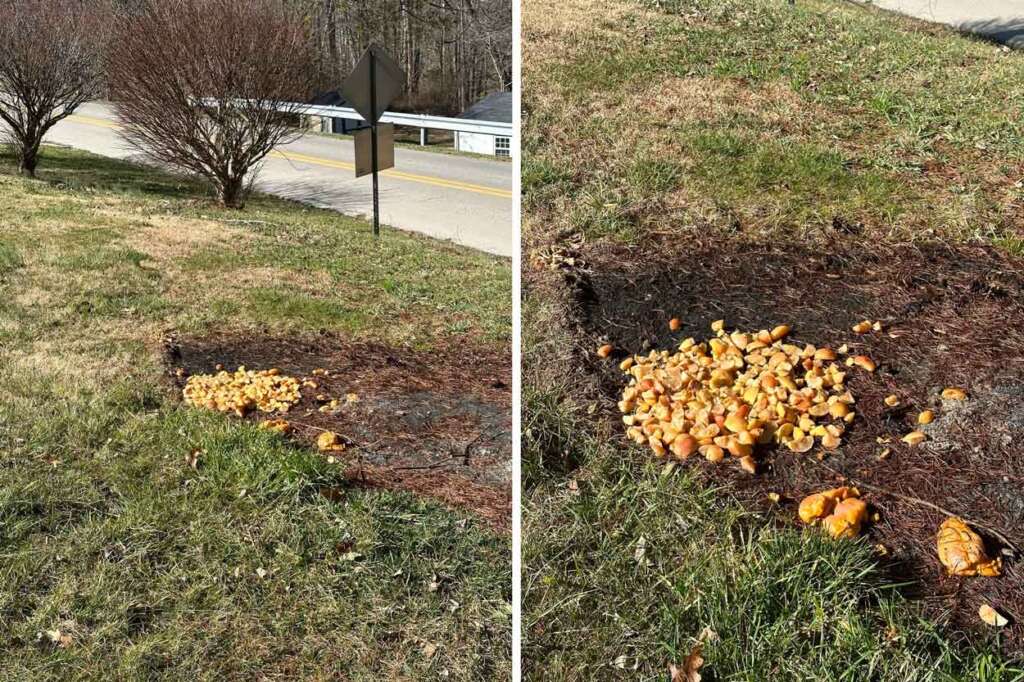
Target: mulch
(953, 316)
(436, 424)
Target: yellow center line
(329, 163)
(429, 180)
(93, 121)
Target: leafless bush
(50, 63)
(200, 84)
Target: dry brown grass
(170, 238)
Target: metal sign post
(375, 82)
(373, 143)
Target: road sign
(385, 149)
(375, 82)
(387, 78)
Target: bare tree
(210, 86)
(50, 63)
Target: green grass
(646, 564)
(10, 260)
(647, 122)
(779, 117)
(258, 563)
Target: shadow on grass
(69, 168)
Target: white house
(496, 107)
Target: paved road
(999, 20)
(466, 200)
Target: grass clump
(779, 118)
(141, 539)
(650, 564)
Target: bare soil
(953, 317)
(437, 424)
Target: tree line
(212, 86)
(453, 51)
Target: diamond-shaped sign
(389, 80)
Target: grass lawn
(119, 560)
(709, 159)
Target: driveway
(998, 20)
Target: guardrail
(422, 121)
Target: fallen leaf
(641, 549)
(708, 635)
(61, 639)
(688, 671)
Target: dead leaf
(688, 672)
(641, 550)
(61, 639)
(708, 635)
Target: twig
(418, 467)
(916, 500)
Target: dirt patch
(952, 316)
(436, 424)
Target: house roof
(496, 106)
(331, 98)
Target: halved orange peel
(840, 510)
(962, 551)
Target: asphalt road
(466, 200)
(999, 20)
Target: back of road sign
(389, 82)
(385, 149)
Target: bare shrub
(209, 86)
(50, 63)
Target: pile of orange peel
(243, 391)
(739, 390)
(736, 391)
